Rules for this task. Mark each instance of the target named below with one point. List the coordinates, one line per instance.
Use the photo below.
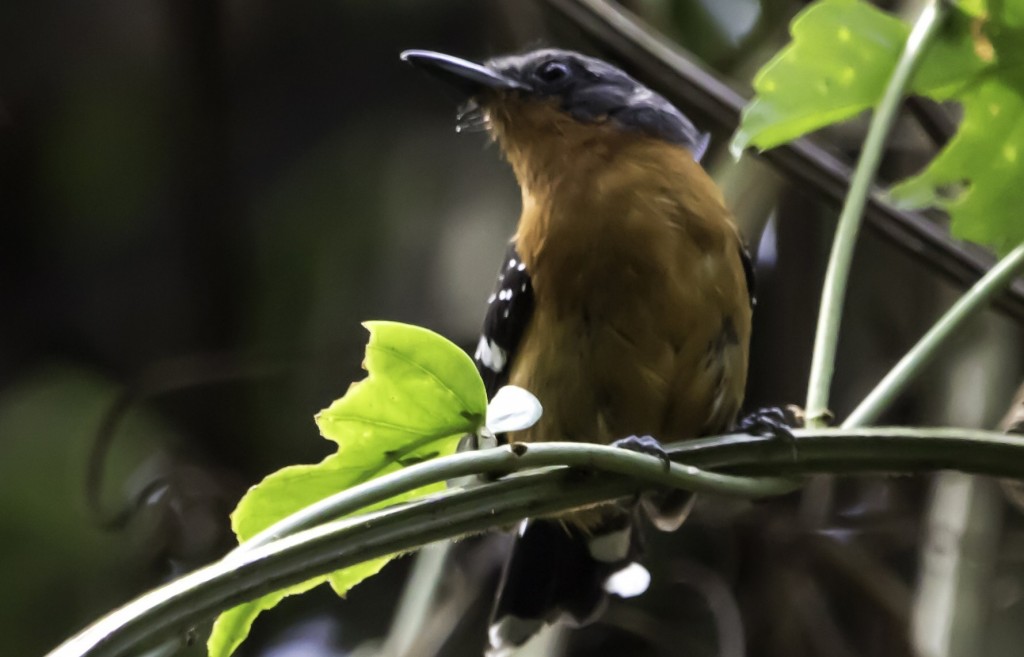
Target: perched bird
(623, 303)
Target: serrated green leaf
(418, 390)
(343, 580)
(837, 65)
(977, 176)
(421, 395)
(232, 627)
(297, 486)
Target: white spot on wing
(629, 582)
(490, 355)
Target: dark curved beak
(468, 77)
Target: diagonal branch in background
(678, 76)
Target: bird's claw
(774, 422)
(644, 445)
(770, 421)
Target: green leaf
(343, 580)
(421, 395)
(841, 56)
(232, 627)
(977, 176)
(425, 388)
(837, 65)
(976, 8)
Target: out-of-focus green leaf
(842, 54)
(421, 396)
(837, 65)
(976, 8)
(977, 176)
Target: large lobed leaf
(977, 176)
(421, 395)
(837, 65)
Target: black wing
(508, 311)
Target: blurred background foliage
(201, 200)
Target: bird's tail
(560, 572)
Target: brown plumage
(642, 318)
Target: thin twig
(929, 346)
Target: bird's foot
(644, 445)
(774, 422)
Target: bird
(623, 303)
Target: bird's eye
(553, 71)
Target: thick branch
(325, 548)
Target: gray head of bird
(557, 100)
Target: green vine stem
(506, 460)
(837, 275)
(175, 607)
(980, 294)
